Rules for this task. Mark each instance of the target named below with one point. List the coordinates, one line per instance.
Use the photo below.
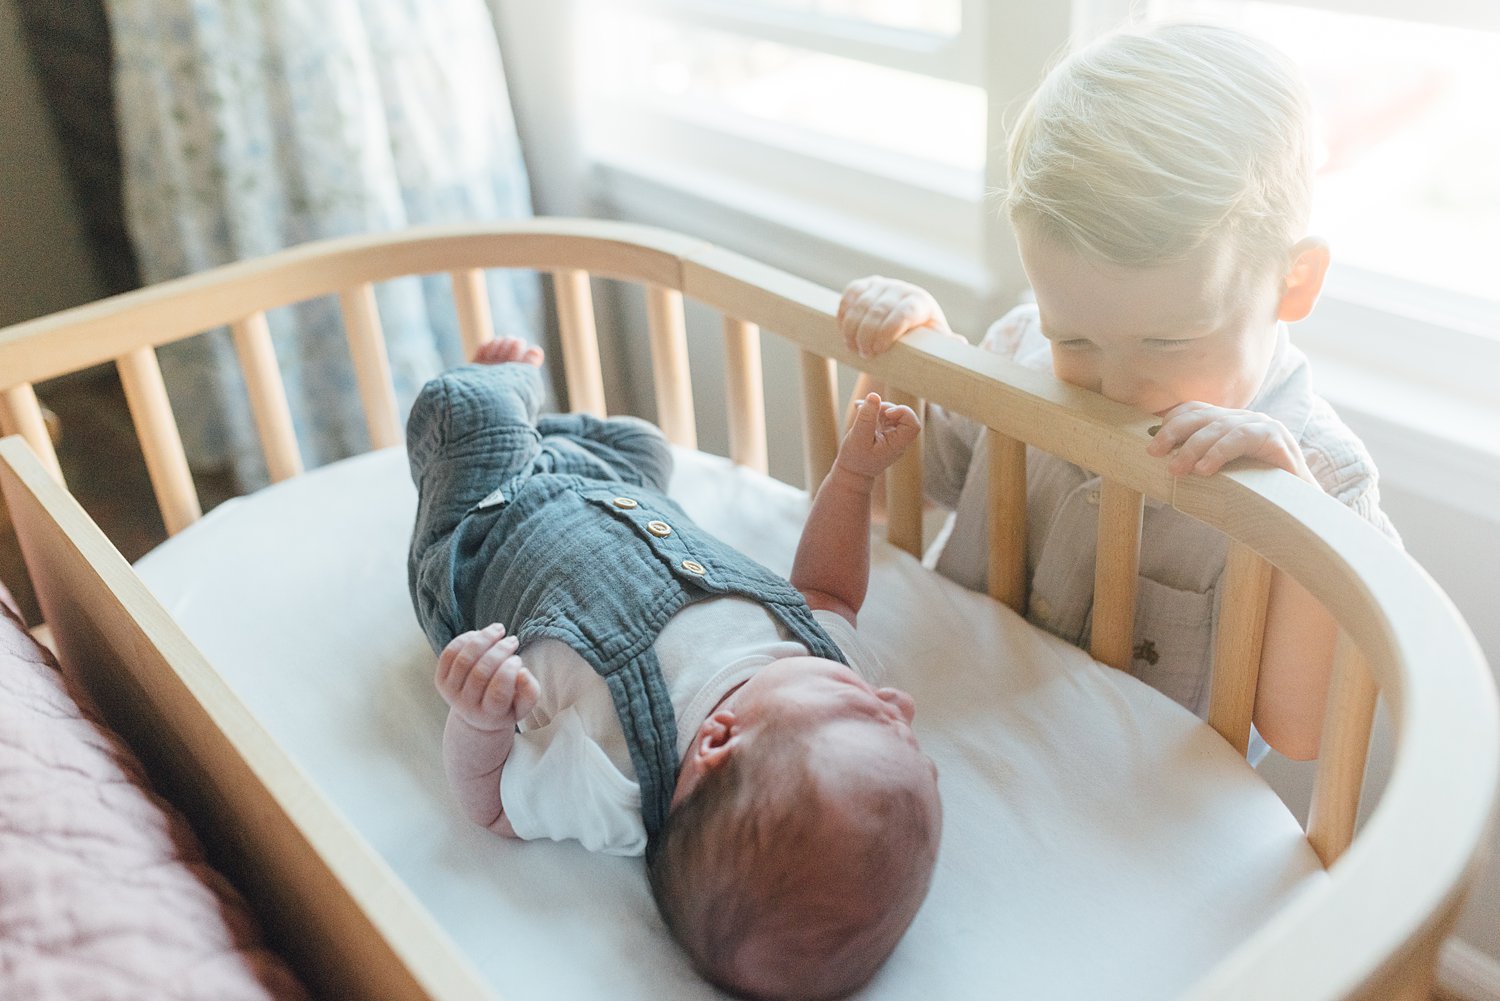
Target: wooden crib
(1395, 884)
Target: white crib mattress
(1099, 841)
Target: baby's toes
(501, 351)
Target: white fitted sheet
(1099, 841)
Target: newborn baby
(617, 675)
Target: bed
(1100, 841)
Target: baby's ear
(715, 740)
(1303, 281)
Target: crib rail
(1371, 931)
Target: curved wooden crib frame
(1372, 930)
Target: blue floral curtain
(252, 125)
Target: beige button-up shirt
(1182, 559)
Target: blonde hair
(1147, 145)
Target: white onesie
(569, 773)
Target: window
(837, 116)
(1407, 185)
(841, 78)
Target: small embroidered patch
(1146, 650)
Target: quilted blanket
(104, 893)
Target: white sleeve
(859, 654)
(559, 784)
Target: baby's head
(1173, 162)
(803, 833)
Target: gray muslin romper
(559, 527)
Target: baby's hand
(1206, 437)
(878, 435)
(482, 679)
(876, 312)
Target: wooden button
(660, 529)
(693, 566)
(625, 503)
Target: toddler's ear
(1303, 281)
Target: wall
(44, 264)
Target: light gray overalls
(560, 527)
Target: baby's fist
(483, 681)
(877, 436)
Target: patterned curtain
(252, 125)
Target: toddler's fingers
(1197, 445)
(855, 304)
(1179, 424)
(1267, 441)
(871, 325)
(896, 309)
(853, 292)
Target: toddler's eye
(1167, 344)
(1076, 344)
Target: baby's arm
(1297, 657)
(487, 689)
(832, 567)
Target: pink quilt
(104, 894)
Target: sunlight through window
(815, 98)
(1410, 137)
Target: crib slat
(820, 417)
(252, 342)
(904, 489)
(471, 301)
(1007, 519)
(21, 414)
(1115, 568)
(372, 367)
(745, 394)
(146, 396)
(1346, 743)
(1242, 626)
(669, 365)
(580, 341)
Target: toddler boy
(1159, 188)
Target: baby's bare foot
(503, 350)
